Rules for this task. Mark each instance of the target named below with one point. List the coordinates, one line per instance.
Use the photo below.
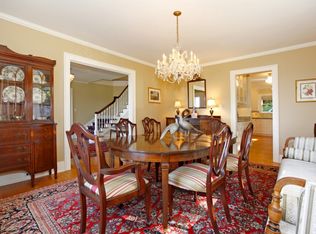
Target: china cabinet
(242, 90)
(27, 128)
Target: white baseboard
(11, 178)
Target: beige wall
(117, 90)
(295, 118)
(28, 41)
(89, 98)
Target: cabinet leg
(55, 172)
(50, 171)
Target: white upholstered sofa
(293, 206)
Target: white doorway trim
(68, 59)
(275, 98)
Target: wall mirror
(197, 93)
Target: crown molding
(39, 28)
(263, 53)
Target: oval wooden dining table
(168, 150)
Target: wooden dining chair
(152, 131)
(203, 178)
(105, 186)
(145, 123)
(240, 162)
(124, 128)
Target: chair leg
(248, 180)
(83, 207)
(148, 203)
(194, 196)
(224, 201)
(241, 185)
(102, 222)
(171, 191)
(148, 166)
(157, 171)
(210, 211)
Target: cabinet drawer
(14, 136)
(12, 157)
(43, 132)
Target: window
(266, 104)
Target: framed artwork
(306, 90)
(154, 95)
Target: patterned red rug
(56, 209)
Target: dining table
(171, 149)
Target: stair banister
(107, 114)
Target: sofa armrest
(274, 209)
(287, 143)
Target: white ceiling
(86, 74)
(144, 29)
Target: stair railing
(104, 117)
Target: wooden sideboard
(201, 123)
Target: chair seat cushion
(190, 177)
(232, 163)
(116, 185)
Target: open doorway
(255, 104)
(71, 58)
(92, 90)
(254, 98)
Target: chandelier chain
(177, 30)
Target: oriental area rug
(56, 209)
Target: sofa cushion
(291, 194)
(307, 219)
(304, 148)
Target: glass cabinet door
(42, 105)
(12, 88)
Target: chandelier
(179, 65)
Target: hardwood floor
(260, 153)
(261, 150)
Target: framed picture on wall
(154, 95)
(306, 90)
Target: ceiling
(88, 74)
(258, 80)
(143, 30)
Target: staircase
(110, 114)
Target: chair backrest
(214, 125)
(246, 142)
(151, 126)
(80, 140)
(145, 123)
(219, 150)
(125, 128)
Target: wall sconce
(211, 103)
(177, 105)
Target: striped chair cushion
(304, 148)
(190, 177)
(232, 163)
(116, 185)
